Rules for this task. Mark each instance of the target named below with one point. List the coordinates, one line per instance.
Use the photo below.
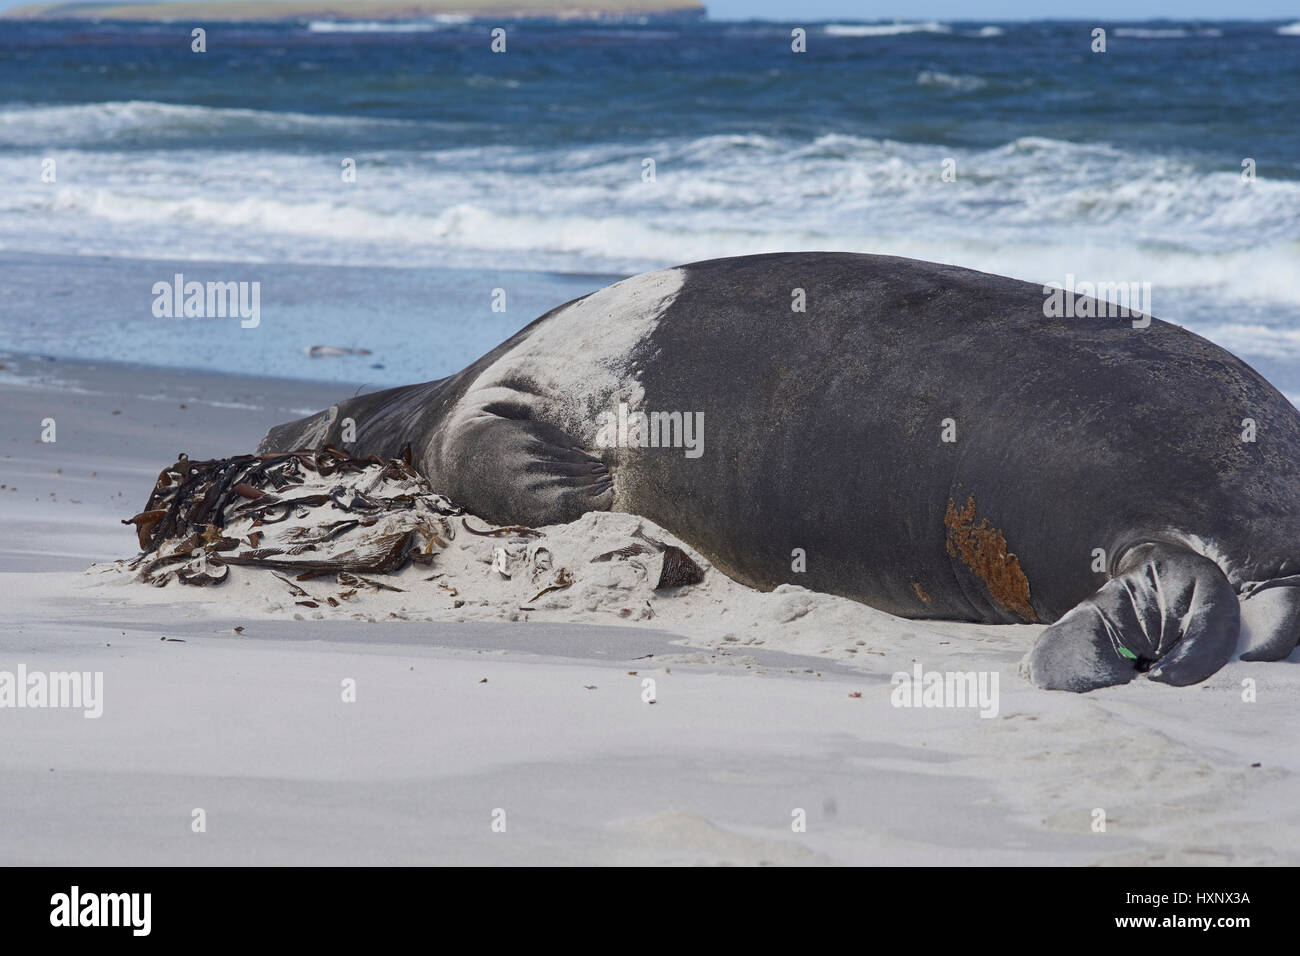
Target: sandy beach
(386, 192)
(769, 709)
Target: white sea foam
(964, 84)
(1165, 33)
(387, 26)
(1253, 339)
(1290, 30)
(883, 29)
(114, 121)
(586, 208)
(1033, 208)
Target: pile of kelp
(324, 513)
(312, 513)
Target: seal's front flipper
(1169, 612)
(511, 469)
(1270, 619)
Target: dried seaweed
(630, 551)
(511, 531)
(563, 579)
(386, 516)
(678, 569)
(327, 514)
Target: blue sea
(525, 171)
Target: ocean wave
(1290, 30)
(1035, 207)
(144, 121)
(883, 29)
(442, 22)
(964, 84)
(1165, 33)
(1252, 339)
(473, 235)
(480, 79)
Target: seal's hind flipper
(512, 469)
(1270, 619)
(1170, 613)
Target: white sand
(753, 717)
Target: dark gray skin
(823, 433)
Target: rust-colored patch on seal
(983, 549)
(920, 592)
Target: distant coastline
(291, 10)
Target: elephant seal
(921, 438)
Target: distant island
(226, 10)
